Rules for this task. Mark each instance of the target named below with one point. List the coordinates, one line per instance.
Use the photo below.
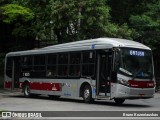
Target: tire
(26, 90)
(119, 100)
(54, 97)
(87, 94)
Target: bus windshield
(136, 63)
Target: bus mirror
(116, 49)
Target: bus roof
(98, 43)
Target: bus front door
(103, 74)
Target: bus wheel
(26, 90)
(54, 97)
(87, 94)
(119, 100)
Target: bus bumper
(122, 91)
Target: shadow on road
(99, 102)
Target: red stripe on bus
(141, 84)
(45, 86)
(8, 84)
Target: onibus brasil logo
(21, 115)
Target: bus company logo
(6, 114)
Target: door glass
(104, 72)
(16, 71)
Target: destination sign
(136, 53)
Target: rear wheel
(26, 90)
(87, 94)
(119, 100)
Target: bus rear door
(15, 72)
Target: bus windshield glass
(136, 63)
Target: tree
(13, 12)
(70, 20)
(147, 24)
(85, 19)
(19, 16)
(141, 16)
(41, 25)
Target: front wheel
(87, 94)
(119, 100)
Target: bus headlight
(123, 82)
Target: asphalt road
(15, 101)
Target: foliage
(148, 24)
(141, 16)
(85, 19)
(13, 12)
(64, 21)
(40, 26)
(18, 16)
(71, 20)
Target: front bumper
(122, 91)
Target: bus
(101, 68)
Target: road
(15, 101)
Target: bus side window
(39, 62)
(26, 63)
(88, 63)
(51, 65)
(63, 64)
(74, 64)
(39, 66)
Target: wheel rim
(86, 93)
(27, 91)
